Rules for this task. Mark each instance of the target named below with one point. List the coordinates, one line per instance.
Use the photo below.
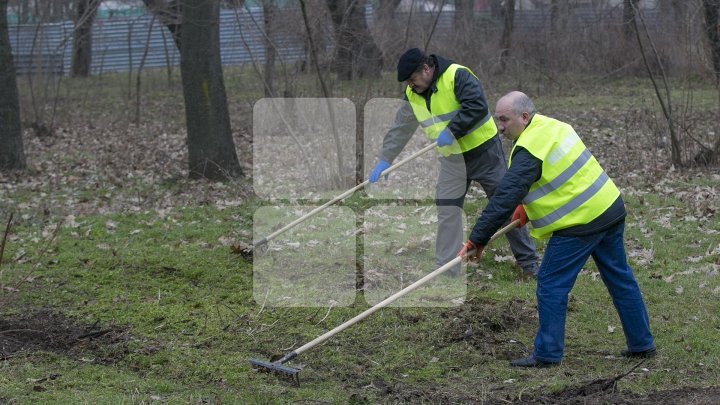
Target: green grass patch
(184, 300)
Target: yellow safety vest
(443, 107)
(573, 188)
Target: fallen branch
(21, 330)
(4, 239)
(2, 248)
(601, 385)
(95, 334)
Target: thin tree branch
(325, 91)
(4, 239)
(665, 104)
(432, 31)
(279, 113)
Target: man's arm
(473, 105)
(400, 133)
(513, 187)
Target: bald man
(555, 183)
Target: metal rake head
(276, 367)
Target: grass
(187, 302)
(155, 259)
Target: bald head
(518, 102)
(512, 113)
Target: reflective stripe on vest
(443, 108)
(573, 188)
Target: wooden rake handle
(340, 197)
(398, 295)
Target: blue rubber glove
(445, 138)
(375, 174)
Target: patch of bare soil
(46, 330)
(478, 323)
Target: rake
(340, 197)
(279, 366)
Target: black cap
(409, 62)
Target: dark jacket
(473, 108)
(524, 171)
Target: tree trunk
(554, 17)
(357, 55)
(269, 14)
(496, 8)
(12, 154)
(170, 15)
(711, 30)
(85, 12)
(211, 148)
(386, 27)
(506, 41)
(665, 101)
(464, 21)
(559, 12)
(385, 10)
(629, 7)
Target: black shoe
(532, 362)
(645, 354)
(530, 272)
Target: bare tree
(210, 145)
(672, 9)
(506, 40)
(385, 10)
(357, 55)
(629, 7)
(337, 179)
(12, 154)
(170, 15)
(269, 14)
(388, 31)
(559, 12)
(712, 19)
(665, 99)
(496, 8)
(85, 12)
(712, 30)
(464, 21)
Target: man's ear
(525, 117)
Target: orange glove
(520, 214)
(468, 246)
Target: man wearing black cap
(448, 101)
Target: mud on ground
(52, 331)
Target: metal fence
(120, 44)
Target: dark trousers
(456, 172)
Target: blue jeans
(563, 260)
